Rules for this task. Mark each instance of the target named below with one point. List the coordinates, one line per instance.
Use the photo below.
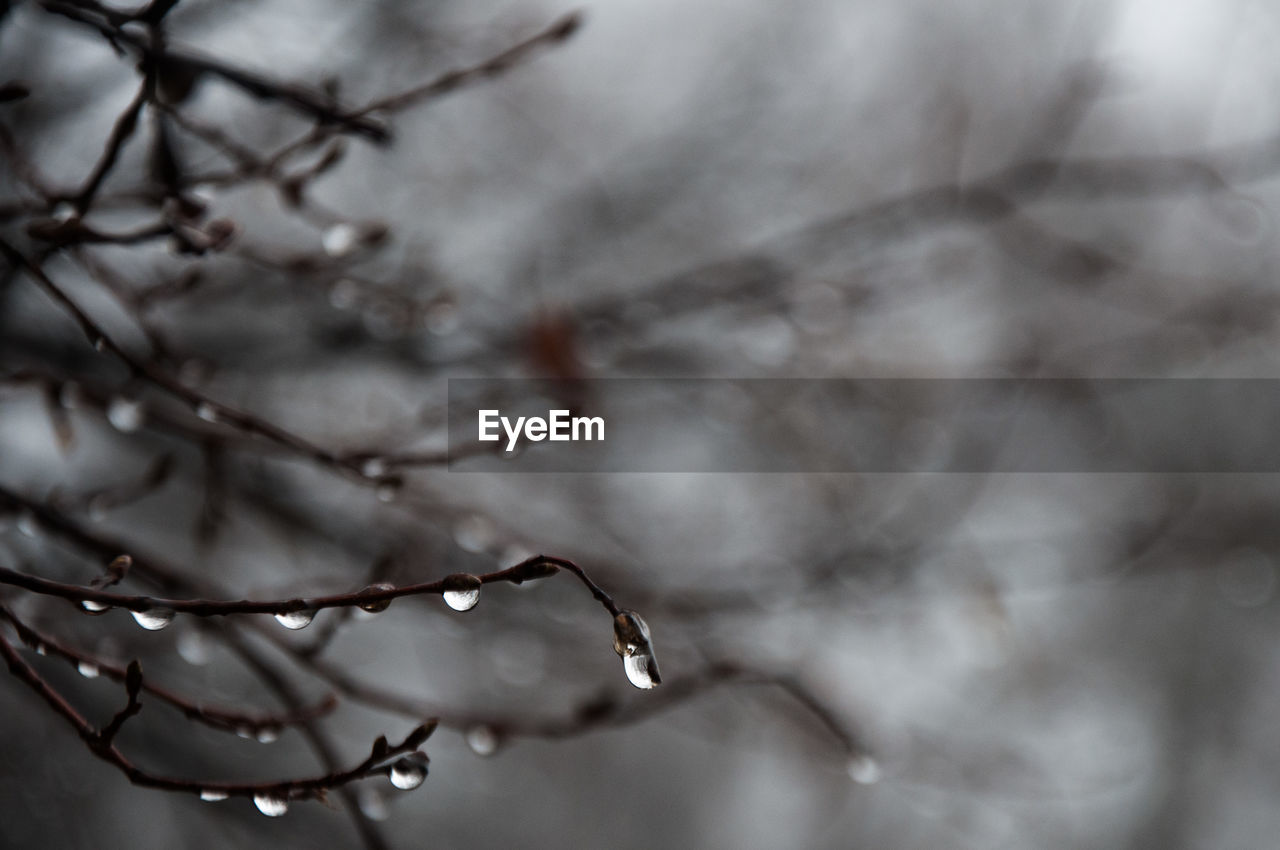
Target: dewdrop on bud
(153, 619)
(461, 591)
(376, 606)
(409, 772)
(297, 617)
(270, 805)
(634, 646)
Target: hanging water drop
(27, 524)
(91, 607)
(88, 669)
(409, 772)
(126, 415)
(461, 591)
(271, 806)
(632, 642)
(153, 619)
(193, 647)
(864, 770)
(267, 734)
(207, 412)
(474, 533)
(374, 467)
(212, 795)
(482, 740)
(296, 618)
(42, 650)
(244, 732)
(372, 803)
(380, 605)
(641, 670)
(388, 490)
(340, 240)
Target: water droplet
(27, 524)
(91, 607)
(99, 344)
(271, 806)
(864, 770)
(207, 412)
(42, 650)
(409, 772)
(244, 732)
(297, 618)
(387, 491)
(344, 294)
(210, 795)
(88, 669)
(372, 803)
(126, 415)
(641, 670)
(64, 211)
(474, 533)
(340, 240)
(193, 647)
(153, 619)
(374, 467)
(380, 605)
(632, 642)
(267, 734)
(461, 591)
(482, 740)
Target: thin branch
(539, 566)
(282, 790)
(218, 718)
(316, 106)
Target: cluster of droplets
(461, 591)
(634, 646)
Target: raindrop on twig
(461, 591)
